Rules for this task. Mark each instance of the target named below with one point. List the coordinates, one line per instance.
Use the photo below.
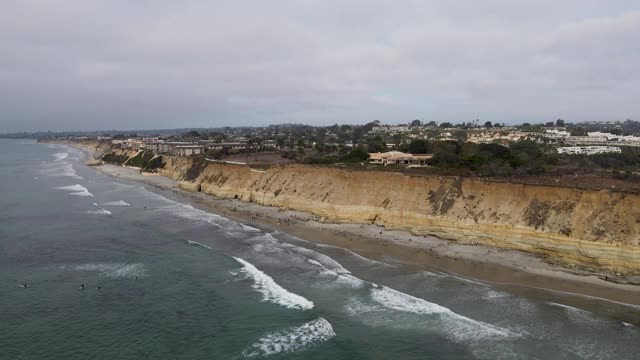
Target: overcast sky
(123, 64)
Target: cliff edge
(590, 228)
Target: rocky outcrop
(590, 228)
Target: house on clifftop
(398, 158)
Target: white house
(187, 150)
(588, 150)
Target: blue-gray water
(179, 283)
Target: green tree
(419, 146)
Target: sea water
(164, 279)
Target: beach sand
(514, 271)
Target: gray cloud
(82, 64)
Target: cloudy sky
(122, 64)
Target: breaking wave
(195, 243)
(101, 211)
(457, 326)
(60, 156)
(76, 190)
(65, 169)
(271, 291)
(115, 203)
(292, 339)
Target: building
(398, 158)
(188, 150)
(588, 150)
(271, 144)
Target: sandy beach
(512, 270)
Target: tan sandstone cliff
(587, 227)
(593, 228)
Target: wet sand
(514, 271)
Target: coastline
(514, 271)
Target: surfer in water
(25, 285)
(82, 286)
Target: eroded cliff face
(591, 228)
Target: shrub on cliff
(112, 158)
(140, 160)
(153, 164)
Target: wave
(101, 211)
(60, 156)
(351, 281)
(76, 190)
(65, 169)
(115, 203)
(195, 243)
(324, 260)
(455, 325)
(112, 270)
(271, 291)
(292, 339)
(191, 213)
(567, 307)
(366, 259)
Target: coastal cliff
(589, 228)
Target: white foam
(292, 339)
(323, 259)
(351, 281)
(115, 203)
(468, 280)
(271, 291)
(76, 190)
(568, 308)
(366, 259)
(626, 324)
(61, 169)
(191, 213)
(113, 270)
(456, 326)
(36, 178)
(60, 156)
(198, 244)
(314, 262)
(101, 211)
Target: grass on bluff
(147, 161)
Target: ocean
(164, 279)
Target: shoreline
(514, 271)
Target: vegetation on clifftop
(147, 161)
(112, 158)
